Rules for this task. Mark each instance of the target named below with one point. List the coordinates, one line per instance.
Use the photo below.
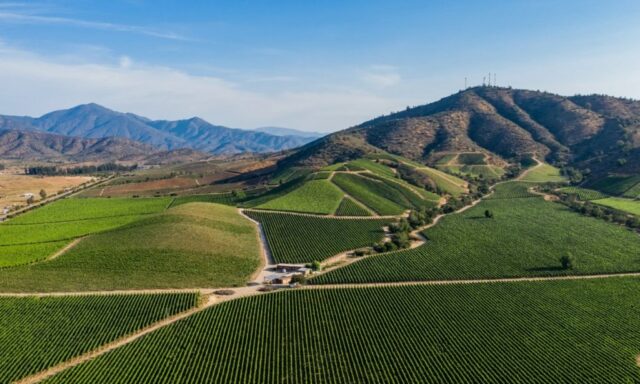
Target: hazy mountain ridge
(95, 121)
(598, 132)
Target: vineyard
(525, 237)
(428, 334)
(625, 205)
(583, 193)
(218, 198)
(628, 186)
(511, 190)
(37, 234)
(298, 239)
(544, 173)
(369, 192)
(186, 246)
(448, 183)
(348, 207)
(38, 333)
(315, 196)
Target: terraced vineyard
(38, 234)
(38, 333)
(299, 239)
(551, 332)
(186, 246)
(525, 237)
(348, 207)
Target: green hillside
(187, 246)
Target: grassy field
(447, 183)
(626, 205)
(298, 239)
(14, 186)
(544, 174)
(583, 194)
(38, 234)
(369, 192)
(526, 237)
(488, 172)
(348, 207)
(189, 246)
(315, 196)
(38, 333)
(551, 332)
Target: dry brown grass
(13, 186)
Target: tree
(567, 261)
(316, 266)
(43, 194)
(298, 278)
(488, 214)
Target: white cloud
(25, 18)
(381, 76)
(125, 62)
(33, 85)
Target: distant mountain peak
(93, 120)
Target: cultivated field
(188, 246)
(583, 194)
(298, 239)
(38, 234)
(538, 332)
(38, 333)
(348, 207)
(315, 196)
(13, 186)
(526, 237)
(626, 205)
(544, 173)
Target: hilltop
(597, 132)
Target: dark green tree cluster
(82, 170)
(605, 213)
(401, 230)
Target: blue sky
(321, 65)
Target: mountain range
(596, 132)
(95, 121)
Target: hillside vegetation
(598, 133)
(187, 246)
(38, 234)
(525, 237)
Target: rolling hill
(95, 121)
(601, 133)
(27, 145)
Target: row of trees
(81, 170)
(598, 211)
